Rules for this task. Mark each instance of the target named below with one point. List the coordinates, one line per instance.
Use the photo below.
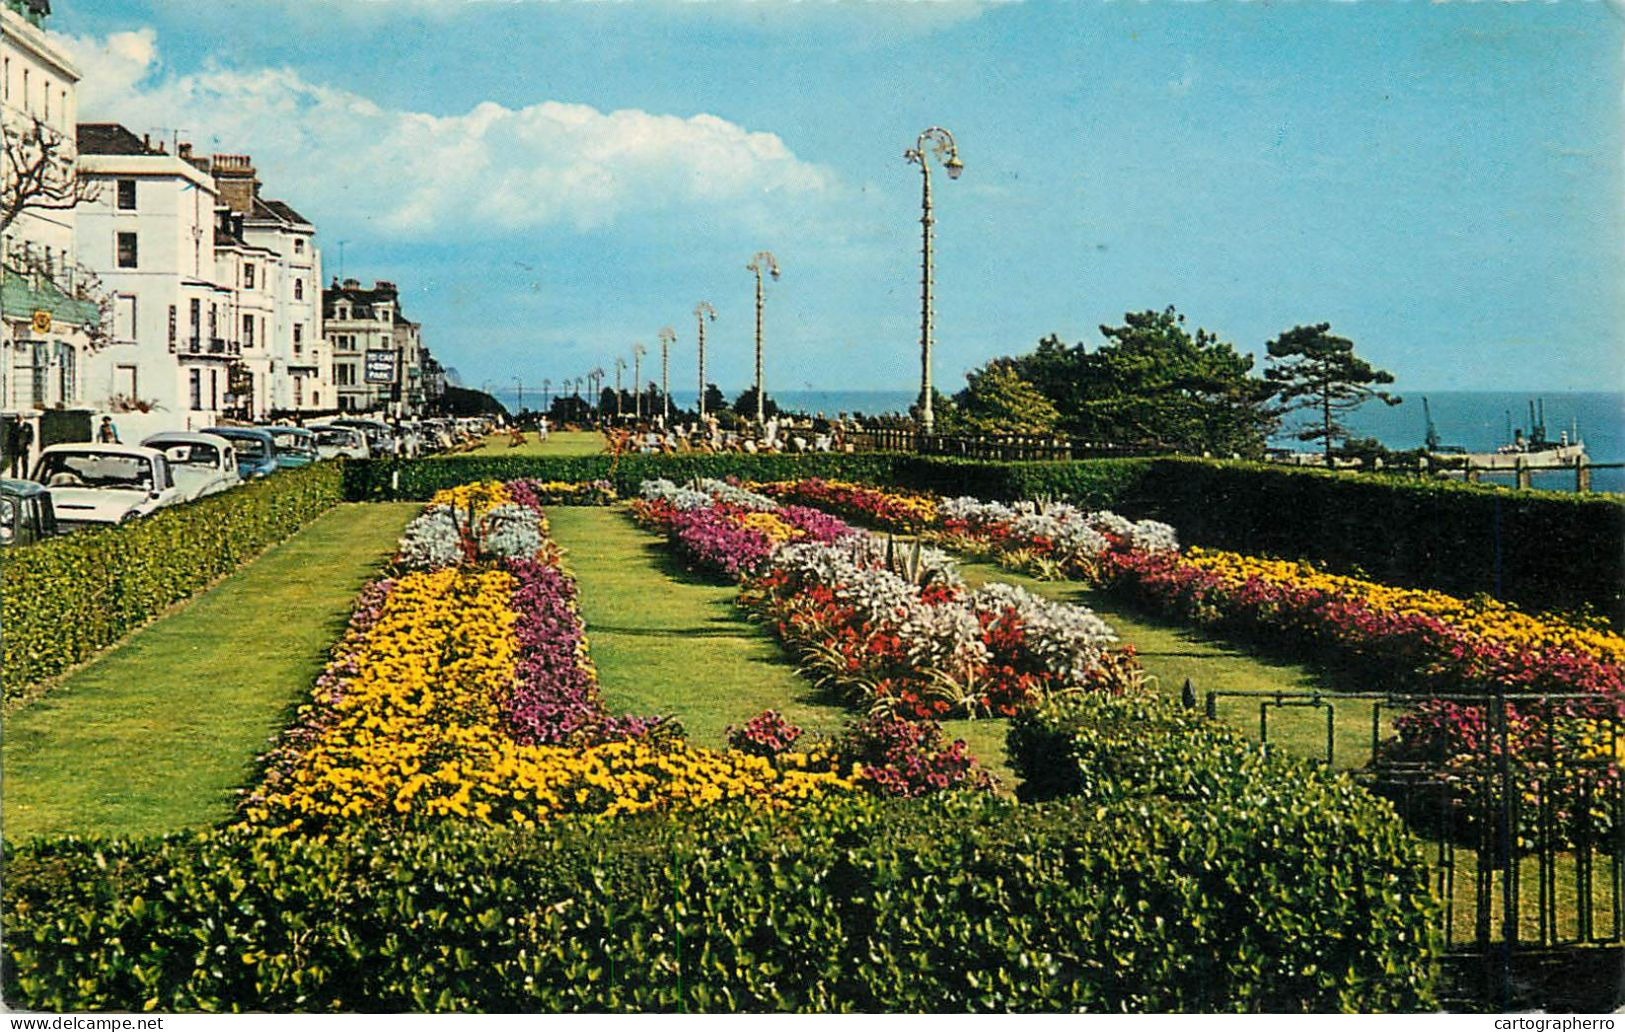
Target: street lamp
(595, 383)
(547, 393)
(763, 262)
(620, 365)
(519, 405)
(941, 142)
(638, 351)
(668, 337)
(701, 311)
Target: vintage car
(256, 451)
(26, 515)
(340, 442)
(101, 484)
(201, 464)
(380, 437)
(295, 446)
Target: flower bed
(463, 688)
(905, 513)
(887, 627)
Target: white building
(254, 274)
(48, 318)
(366, 330)
(150, 237)
(300, 379)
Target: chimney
(234, 179)
(184, 151)
(351, 284)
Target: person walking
(19, 444)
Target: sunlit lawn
(157, 733)
(558, 443)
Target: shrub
(64, 599)
(958, 904)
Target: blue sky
(551, 181)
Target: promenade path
(159, 732)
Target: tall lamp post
(519, 404)
(620, 366)
(638, 351)
(668, 337)
(941, 142)
(762, 262)
(701, 311)
(547, 393)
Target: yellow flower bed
(1481, 616)
(480, 497)
(417, 731)
(766, 523)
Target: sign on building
(380, 367)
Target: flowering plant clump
(766, 734)
(888, 510)
(909, 758)
(723, 528)
(537, 493)
(1049, 537)
(464, 689)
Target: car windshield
(334, 438)
(250, 447)
(193, 454)
(290, 441)
(93, 469)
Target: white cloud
(413, 174)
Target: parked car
(26, 515)
(295, 446)
(380, 438)
(100, 484)
(201, 464)
(336, 442)
(256, 450)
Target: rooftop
(111, 138)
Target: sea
(1475, 420)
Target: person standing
(107, 433)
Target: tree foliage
(1154, 384)
(998, 400)
(1312, 369)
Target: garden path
(666, 641)
(157, 733)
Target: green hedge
(967, 904)
(1300, 851)
(63, 599)
(418, 479)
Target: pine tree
(1310, 369)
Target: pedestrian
(107, 433)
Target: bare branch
(40, 174)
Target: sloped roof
(110, 138)
(279, 211)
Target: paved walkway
(158, 733)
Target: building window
(197, 390)
(197, 318)
(125, 382)
(298, 391)
(42, 364)
(172, 327)
(127, 254)
(248, 331)
(124, 317)
(298, 337)
(298, 246)
(66, 371)
(126, 195)
(298, 290)
(248, 276)
(214, 320)
(47, 94)
(214, 389)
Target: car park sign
(380, 367)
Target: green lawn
(157, 734)
(667, 641)
(558, 443)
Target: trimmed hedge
(963, 904)
(417, 480)
(62, 600)
(1301, 852)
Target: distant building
(49, 315)
(379, 361)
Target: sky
(552, 181)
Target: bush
(1305, 853)
(64, 599)
(961, 904)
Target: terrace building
(379, 361)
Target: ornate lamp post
(668, 337)
(620, 366)
(520, 402)
(701, 311)
(763, 262)
(638, 351)
(941, 142)
(595, 384)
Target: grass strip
(157, 734)
(559, 443)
